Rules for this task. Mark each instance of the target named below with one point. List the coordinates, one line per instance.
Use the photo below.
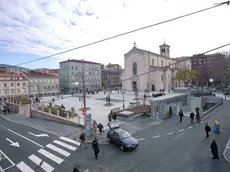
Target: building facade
(42, 84)
(206, 65)
(12, 85)
(111, 78)
(145, 70)
(74, 72)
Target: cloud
(44, 27)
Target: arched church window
(134, 68)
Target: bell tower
(165, 50)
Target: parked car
(157, 94)
(121, 137)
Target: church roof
(164, 45)
(138, 50)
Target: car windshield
(124, 135)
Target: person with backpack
(95, 146)
(207, 130)
(100, 127)
(192, 115)
(83, 139)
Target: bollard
(58, 112)
(49, 110)
(67, 115)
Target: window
(5, 84)
(17, 78)
(18, 84)
(153, 62)
(162, 63)
(24, 84)
(6, 91)
(167, 50)
(12, 84)
(134, 68)
(44, 87)
(162, 78)
(12, 91)
(162, 50)
(18, 91)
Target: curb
(102, 141)
(225, 150)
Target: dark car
(157, 94)
(121, 137)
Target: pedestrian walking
(110, 117)
(207, 130)
(214, 150)
(83, 139)
(4, 109)
(95, 128)
(8, 110)
(181, 115)
(95, 146)
(100, 127)
(192, 115)
(53, 100)
(114, 116)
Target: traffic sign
(83, 111)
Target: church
(145, 70)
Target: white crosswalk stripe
(46, 167)
(59, 150)
(51, 156)
(70, 140)
(24, 168)
(65, 145)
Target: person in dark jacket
(181, 115)
(214, 150)
(207, 130)
(83, 139)
(192, 115)
(100, 127)
(95, 146)
(4, 109)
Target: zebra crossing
(54, 153)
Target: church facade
(145, 70)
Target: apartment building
(12, 85)
(43, 84)
(73, 72)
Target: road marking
(181, 130)
(25, 138)
(71, 141)
(170, 133)
(141, 139)
(1, 169)
(15, 144)
(46, 167)
(51, 156)
(65, 145)
(225, 150)
(156, 136)
(197, 124)
(38, 135)
(190, 127)
(24, 168)
(59, 150)
(13, 164)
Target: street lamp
(123, 99)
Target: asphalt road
(23, 148)
(169, 146)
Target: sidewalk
(54, 128)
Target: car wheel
(122, 148)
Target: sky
(30, 29)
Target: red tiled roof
(79, 61)
(40, 74)
(10, 75)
